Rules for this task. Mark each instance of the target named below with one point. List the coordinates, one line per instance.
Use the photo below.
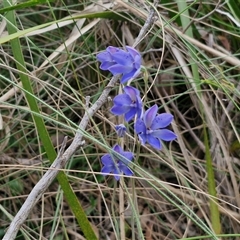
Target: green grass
(189, 190)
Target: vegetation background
(190, 189)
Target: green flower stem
(214, 211)
(41, 128)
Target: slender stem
(121, 185)
(196, 83)
(121, 208)
(46, 141)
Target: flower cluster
(117, 163)
(128, 104)
(118, 61)
(150, 128)
(149, 125)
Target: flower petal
(124, 58)
(119, 110)
(142, 138)
(139, 106)
(107, 169)
(113, 50)
(125, 169)
(117, 148)
(140, 127)
(122, 99)
(164, 134)
(154, 142)
(132, 92)
(120, 69)
(137, 71)
(133, 52)
(138, 62)
(130, 114)
(127, 157)
(161, 121)
(116, 173)
(104, 57)
(149, 115)
(107, 159)
(106, 65)
(128, 75)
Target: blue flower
(128, 103)
(118, 61)
(150, 128)
(117, 163)
(121, 130)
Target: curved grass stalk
(42, 131)
(23, 5)
(176, 201)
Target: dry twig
(63, 157)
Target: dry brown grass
(63, 70)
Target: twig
(57, 165)
(63, 157)
(173, 30)
(36, 194)
(217, 6)
(205, 16)
(149, 21)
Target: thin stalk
(113, 209)
(121, 185)
(41, 128)
(214, 210)
(121, 208)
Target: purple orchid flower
(118, 61)
(151, 127)
(121, 130)
(128, 103)
(117, 163)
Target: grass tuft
(50, 76)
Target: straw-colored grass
(188, 190)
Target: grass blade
(42, 131)
(214, 211)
